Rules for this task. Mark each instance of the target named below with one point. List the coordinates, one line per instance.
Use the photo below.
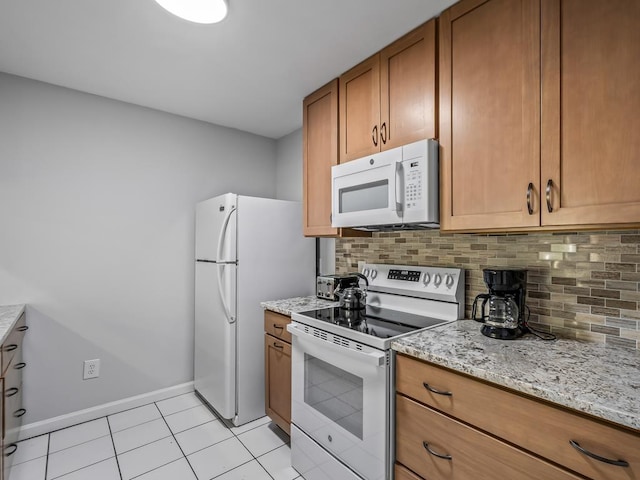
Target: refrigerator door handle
(223, 234)
(223, 297)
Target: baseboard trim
(63, 421)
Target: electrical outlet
(91, 369)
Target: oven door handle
(376, 358)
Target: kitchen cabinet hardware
(374, 135)
(279, 327)
(618, 463)
(436, 391)
(278, 345)
(548, 195)
(434, 453)
(529, 190)
(11, 347)
(20, 412)
(23, 328)
(383, 133)
(11, 392)
(13, 447)
(20, 366)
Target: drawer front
(533, 425)
(276, 324)
(424, 437)
(402, 473)
(13, 344)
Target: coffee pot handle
(485, 297)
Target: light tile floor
(174, 439)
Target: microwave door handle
(399, 183)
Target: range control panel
(436, 283)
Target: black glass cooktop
(375, 321)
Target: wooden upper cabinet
(590, 111)
(490, 114)
(320, 153)
(408, 88)
(390, 99)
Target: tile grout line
(115, 452)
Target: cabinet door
(320, 153)
(590, 105)
(408, 88)
(278, 381)
(360, 110)
(490, 114)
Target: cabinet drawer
(534, 425)
(13, 344)
(469, 453)
(403, 473)
(276, 324)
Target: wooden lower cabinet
(277, 361)
(11, 410)
(491, 432)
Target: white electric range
(342, 377)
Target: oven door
(340, 398)
(365, 191)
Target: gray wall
(289, 187)
(96, 211)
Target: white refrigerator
(248, 250)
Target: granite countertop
(297, 304)
(9, 315)
(599, 380)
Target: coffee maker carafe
(506, 303)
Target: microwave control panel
(413, 188)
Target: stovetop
(402, 300)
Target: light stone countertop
(599, 380)
(9, 315)
(297, 304)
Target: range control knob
(437, 280)
(374, 274)
(365, 272)
(448, 280)
(426, 279)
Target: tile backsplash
(583, 285)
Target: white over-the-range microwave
(391, 190)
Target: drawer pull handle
(8, 453)
(619, 463)
(11, 392)
(11, 347)
(436, 454)
(278, 345)
(19, 413)
(19, 366)
(23, 328)
(435, 390)
(281, 327)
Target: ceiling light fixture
(198, 11)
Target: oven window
(335, 393)
(369, 196)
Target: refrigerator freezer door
(215, 337)
(216, 229)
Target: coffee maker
(506, 303)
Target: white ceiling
(249, 72)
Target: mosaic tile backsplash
(582, 285)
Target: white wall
(289, 187)
(97, 219)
